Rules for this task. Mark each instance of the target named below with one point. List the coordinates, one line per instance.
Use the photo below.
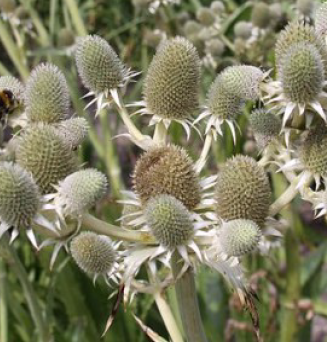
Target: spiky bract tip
(243, 191)
(167, 170)
(169, 221)
(93, 253)
(172, 83)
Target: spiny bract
(14, 85)
(98, 64)
(167, 170)
(312, 151)
(172, 83)
(299, 32)
(93, 253)
(321, 19)
(239, 237)
(169, 221)
(302, 73)
(222, 104)
(243, 191)
(43, 153)
(19, 196)
(73, 131)
(47, 95)
(79, 191)
(265, 125)
(242, 81)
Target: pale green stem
(31, 298)
(204, 153)
(12, 50)
(3, 304)
(111, 158)
(76, 17)
(90, 222)
(53, 17)
(165, 312)
(160, 134)
(41, 30)
(227, 42)
(188, 303)
(287, 196)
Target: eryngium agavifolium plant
(185, 210)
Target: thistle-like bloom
(14, 85)
(47, 95)
(301, 79)
(20, 202)
(101, 70)
(42, 152)
(243, 191)
(172, 83)
(310, 157)
(73, 131)
(96, 255)
(266, 127)
(78, 192)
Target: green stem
(188, 303)
(90, 222)
(76, 17)
(111, 158)
(160, 134)
(3, 304)
(12, 50)
(31, 298)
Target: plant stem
(76, 17)
(160, 133)
(111, 158)
(188, 302)
(31, 298)
(90, 222)
(165, 312)
(3, 304)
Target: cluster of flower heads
(172, 211)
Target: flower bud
(93, 253)
(167, 170)
(243, 191)
(43, 153)
(19, 196)
(260, 15)
(66, 37)
(205, 16)
(239, 237)
(172, 82)
(169, 221)
(217, 7)
(47, 95)
(243, 29)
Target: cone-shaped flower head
(243, 191)
(47, 95)
(242, 81)
(321, 19)
(239, 237)
(205, 16)
(73, 131)
(302, 73)
(312, 152)
(14, 85)
(243, 29)
(19, 196)
(172, 82)
(260, 15)
(93, 253)
(169, 221)
(43, 153)
(79, 191)
(98, 65)
(167, 170)
(298, 32)
(265, 125)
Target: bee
(8, 103)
